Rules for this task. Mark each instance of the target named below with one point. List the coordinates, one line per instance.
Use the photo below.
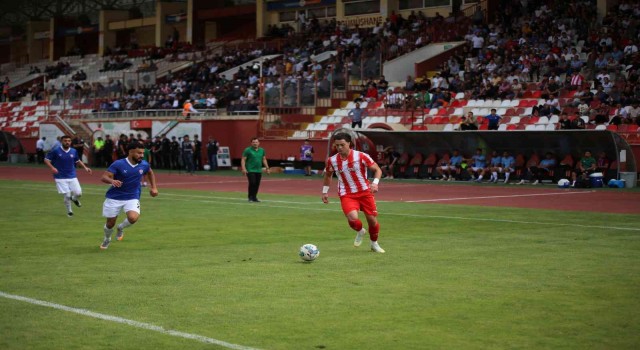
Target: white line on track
(132, 323)
(216, 182)
(268, 203)
(492, 197)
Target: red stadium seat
(623, 128)
(523, 103)
(456, 104)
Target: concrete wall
(107, 38)
(164, 30)
(146, 36)
(399, 68)
(237, 134)
(37, 49)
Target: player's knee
(355, 224)
(133, 218)
(352, 216)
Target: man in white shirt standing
(630, 49)
(40, 150)
(211, 102)
(478, 44)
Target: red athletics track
(527, 196)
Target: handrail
(64, 124)
(471, 9)
(150, 113)
(167, 128)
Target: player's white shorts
(112, 207)
(69, 186)
(476, 169)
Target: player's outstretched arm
(151, 178)
(86, 168)
(107, 178)
(377, 174)
(48, 163)
(326, 183)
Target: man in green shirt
(98, 145)
(253, 158)
(586, 166)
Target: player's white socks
(67, 204)
(107, 232)
(479, 177)
(494, 175)
(124, 224)
(506, 177)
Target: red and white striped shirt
(576, 80)
(351, 171)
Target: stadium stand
(516, 64)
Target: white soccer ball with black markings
(564, 183)
(309, 252)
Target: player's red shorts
(361, 201)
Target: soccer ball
(308, 252)
(564, 183)
(206, 167)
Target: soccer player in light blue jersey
(508, 165)
(478, 163)
(124, 176)
(62, 162)
(494, 166)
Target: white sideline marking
(492, 197)
(244, 181)
(267, 203)
(132, 323)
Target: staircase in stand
(172, 124)
(285, 122)
(78, 129)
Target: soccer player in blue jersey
(479, 162)
(508, 165)
(124, 176)
(494, 166)
(62, 162)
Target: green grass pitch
(211, 264)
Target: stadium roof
(17, 13)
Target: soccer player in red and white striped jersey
(355, 191)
